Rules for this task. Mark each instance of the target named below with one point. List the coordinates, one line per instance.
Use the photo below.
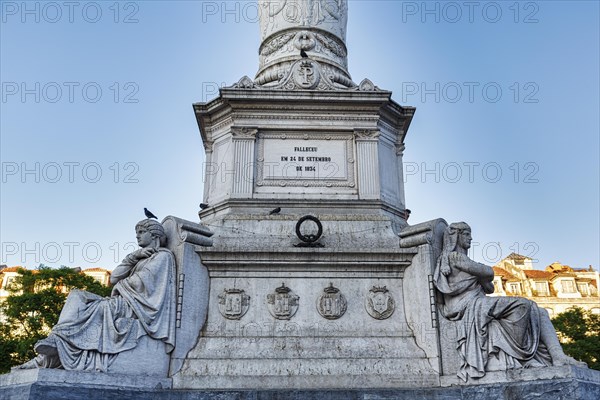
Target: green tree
(33, 307)
(579, 331)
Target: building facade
(556, 288)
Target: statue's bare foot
(568, 360)
(41, 361)
(31, 364)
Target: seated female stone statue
(494, 333)
(92, 330)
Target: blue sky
(96, 118)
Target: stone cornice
(312, 117)
(386, 260)
(232, 108)
(307, 95)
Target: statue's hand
(488, 287)
(445, 270)
(455, 259)
(145, 252)
(124, 269)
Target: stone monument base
(57, 384)
(552, 383)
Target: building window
(514, 287)
(567, 286)
(9, 281)
(583, 288)
(497, 286)
(541, 288)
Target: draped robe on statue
(92, 330)
(493, 332)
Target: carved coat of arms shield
(332, 303)
(380, 303)
(233, 303)
(283, 304)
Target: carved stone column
(368, 163)
(208, 150)
(243, 149)
(399, 156)
(317, 28)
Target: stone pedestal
(55, 384)
(286, 317)
(328, 312)
(564, 383)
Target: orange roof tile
(558, 267)
(537, 274)
(504, 274)
(12, 269)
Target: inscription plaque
(305, 160)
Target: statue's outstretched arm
(483, 272)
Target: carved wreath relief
(283, 304)
(332, 303)
(380, 303)
(305, 41)
(233, 303)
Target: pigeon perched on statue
(149, 213)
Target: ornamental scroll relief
(320, 45)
